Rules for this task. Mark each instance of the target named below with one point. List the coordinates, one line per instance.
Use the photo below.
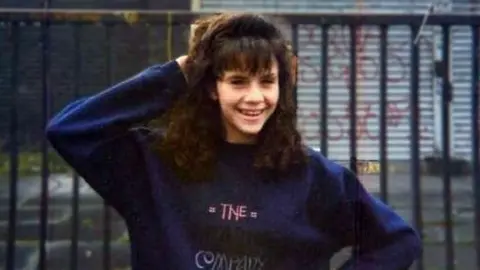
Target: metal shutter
(367, 78)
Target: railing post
(76, 185)
(353, 115)
(446, 137)
(14, 32)
(383, 114)
(353, 98)
(107, 212)
(439, 81)
(415, 138)
(45, 61)
(324, 91)
(475, 147)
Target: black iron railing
(105, 27)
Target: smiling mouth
(251, 113)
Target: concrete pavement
(91, 213)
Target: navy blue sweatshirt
(235, 221)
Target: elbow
(56, 133)
(416, 246)
(407, 249)
(411, 248)
(57, 125)
(62, 142)
(52, 131)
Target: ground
(91, 212)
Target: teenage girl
(202, 158)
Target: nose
(254, 94)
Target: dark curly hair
(194, 131)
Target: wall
(133, 48)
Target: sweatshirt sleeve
(94, 135)
(380, 238)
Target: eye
(238, 81)
(268, 81)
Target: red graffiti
(367, 66)
(367, 117)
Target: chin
(251, 131)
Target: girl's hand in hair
(181, 62)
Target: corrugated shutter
(461, 78)
(368, 61)
(461, 67)
(367, 78)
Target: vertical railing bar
(14, 32)
(475, 148)
(107, 213)
(45, 47)
(353, 98)
(447, 189)
(169, 37)
(324, 96)
(324, 91)
(295, 52)
(383, 114)
(415, 138)
(75, 190)
(353, 121)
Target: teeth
(251, 113)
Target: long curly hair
(193, 127)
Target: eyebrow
(243, 75)
(236, 76)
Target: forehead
(247, 66)
(246, 54)
(272, 71)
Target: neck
(241, 141)
(233, 136)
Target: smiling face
(247, 101)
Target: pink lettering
(242, 211)
(232, 212)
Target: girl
(221, 179)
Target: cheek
(227, 104)
(272, 98)
(226, 100)
(222, 97)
